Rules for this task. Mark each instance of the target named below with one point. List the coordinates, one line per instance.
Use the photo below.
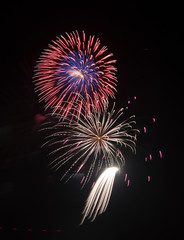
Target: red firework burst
(75, 66)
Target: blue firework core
(79, 72)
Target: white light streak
(99, 196)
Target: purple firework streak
(75, 65)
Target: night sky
(145, 40)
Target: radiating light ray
(95, 140)
(144, 129)
(160, 153)
(125, 177)
(82, 180)
(128, 182)
(100, 194)
(75, 65)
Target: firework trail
(99, 196)
(91, 140)
(75, 65)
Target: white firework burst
(96, 140)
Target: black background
(145, 40)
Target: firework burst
(95, 140)
(75, 65)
